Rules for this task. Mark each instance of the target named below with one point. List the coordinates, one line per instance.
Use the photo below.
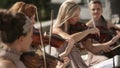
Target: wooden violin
(109, 35)
(105, 35)
(35, 60)
(79, 27)
(56, 41)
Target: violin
(78, 27)
(105, 35)
(34, 60)
(109, 35)
(56, 41)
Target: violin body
(106, 35)
(34, 60)
(78, 27)
(56, 41)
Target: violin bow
(93, 21)
(41, 37)
(88, 1)
(115, 47)
(91, 15)
(50, 31)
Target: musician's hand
(118, 33)
(106, 48)
(68, 48)
(64, 64)
(70, 41)
(95, 31)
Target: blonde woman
(68, 15)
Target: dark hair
(95, 2)
(11, 26)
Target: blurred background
(111, 8)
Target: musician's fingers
(70, 41)
(66, 59)
(63, 65)
(70, 45)
(107, 49)
(118, 33)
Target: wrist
(114, 39)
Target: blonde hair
(95, 2)
(15, 8)
(28, 9)
(66, 11)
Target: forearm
(76, 37)
(112, 41)
(61, 33)
(68, 49)
(89, 46)
(80, 35)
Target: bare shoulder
(6, 63)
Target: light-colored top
(14, 56)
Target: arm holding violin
(80, 35)
(59, 31)
(64, 35)
(89, 46)
(112, 41)
(97, 47)
(73, 38)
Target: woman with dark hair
(16, 37)
(30, 10)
